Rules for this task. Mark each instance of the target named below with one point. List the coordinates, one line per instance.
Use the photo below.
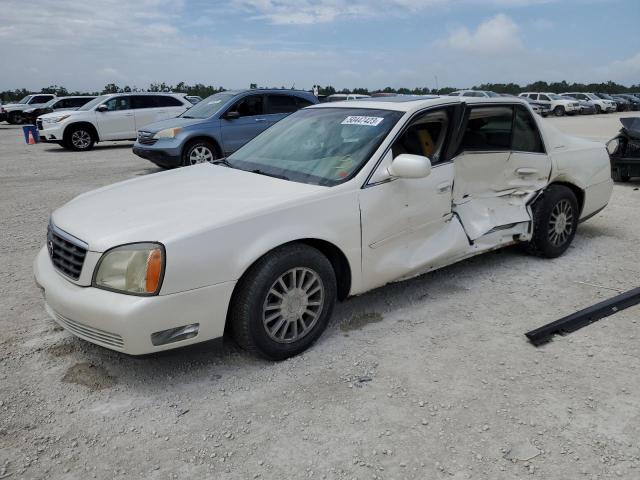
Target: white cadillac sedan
(333, 201)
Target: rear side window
(488, 129)
(249, 106)
(281, 104)
(145, 101)
(118, 103)
(167, 101)
(526, 137)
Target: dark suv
(217, 126)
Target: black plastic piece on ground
(585, 317)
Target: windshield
(321, 146)
(94, 103)
(24, 99)
(492, 94)
(555, 96)
(207, 107)
(605, 96)
(592, 96)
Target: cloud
(497, 34)
(305, 12)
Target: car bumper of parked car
(626, 166)
(50, 132)
(166, 157)
(127, 323)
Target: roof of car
(410, 103)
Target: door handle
(526, 171)
(444, 187)
(261, 119)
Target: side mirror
(232, 115)
(102, 108)
(410, 166)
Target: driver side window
(249, 106)
(118, 103)
(425, 136)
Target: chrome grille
(146, 138)
(90, 333)
(67, 253)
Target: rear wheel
(559, 111)
(79, 138)
(15, 118)
(555, 221)
(284, 301)
(200, 151)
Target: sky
(83, 45)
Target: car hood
(167, 206)
(55, 114)
(172, 123)
(631, 126)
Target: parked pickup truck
(13, 112)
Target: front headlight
(167, 133)
(136, 269)
(55, 119)
(612, 146)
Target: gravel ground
(430, 378)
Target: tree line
(204, 91)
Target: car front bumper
(125, 323)
(627, 166)
(161, 155)
(53, 132)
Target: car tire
(284, 302)
(199, 151)
(14, 118)
(555, 221)
(559, 111)
(79, 139)
(618, 177)
(598, 109)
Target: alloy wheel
(561, 223)
(81, 139)
(200, 154)
(293, 305)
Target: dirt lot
(430, 378)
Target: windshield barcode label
(367, 121)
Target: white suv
(559, 106)
(602, 105)
(109, 117)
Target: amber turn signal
(154, 270)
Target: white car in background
(474, 93)
(335, 200)
(559, 106)
(109, 117)
(602, 105)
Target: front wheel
(79, 139)
(598, 109)
(559, 111)
(200, 151)
(555, 221)
(284, 301)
